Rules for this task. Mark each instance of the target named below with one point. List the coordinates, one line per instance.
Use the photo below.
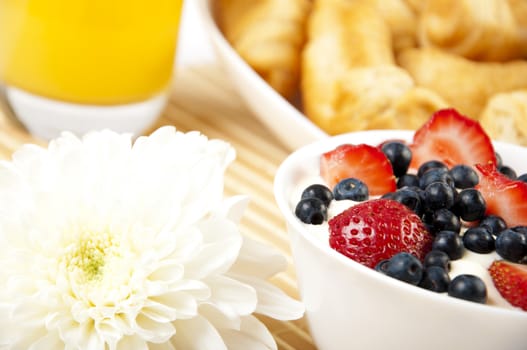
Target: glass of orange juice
(87, 64)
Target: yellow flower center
(87, 257)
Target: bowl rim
(314, 149)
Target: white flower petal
(259, 260)
(252, 335)
(272, 301)
(232, 297)
(197, 334)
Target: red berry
(453, 139)
(510, 280)
(504, 197)
(364, 162)
(378, 229)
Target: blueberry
(511, 245)
(311, 211)
(405, 267)
(436, 175)
(468, 287)
(399, 156)
(499, 160)
(351, 188)
(382, 266)
(435, 279)
(464, 176)
(494, 223)
(522, 177)
(407, 180)
(438, 195)
(508, 171)
(479, 240)
(431, 164)
(470, 205)
(318, 191)
(388, 195)
(437, 258)
(408, 197)
(449, 242)
(443, 219)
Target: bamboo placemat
(202, 99)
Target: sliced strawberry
(504, 197)
(511, 281)
(378, 229)
(364, 162)
(453, 139)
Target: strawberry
(510, 280)
(453, 139)
(364, 162)
(378, 229)
(504, 197)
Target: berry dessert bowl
(350, 305)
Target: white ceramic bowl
(349, 306)
(288, 124)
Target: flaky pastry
(505, 117)
(268, 35)
(349, 77)
(464, 84)
(401, 20)
(480, 30)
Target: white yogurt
(470, 263)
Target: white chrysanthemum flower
(109, 244)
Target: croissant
(401, 20)
(349, 77)
(505, 117)
(485, 30)
(268, 35)
(464, 84)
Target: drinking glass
(80, 65)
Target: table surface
(203, 99)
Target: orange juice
(89, 51)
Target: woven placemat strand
(202, 99)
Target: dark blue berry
(511, 245)
(311, 211)
(399, 156)
(443, 219)
(407, 180)
(431, 164)
(470, 205)
(468, 287)
(494, 223)
(435, 279)
(318, 191)
(499, 160)
(437, 258)
(352, 189)
(439, 195)
(449, 242)
(464, 176)
(508, 171)
(405, 267)
(382, 266)
(408, 197)
(388, 195)
(479, 240)
(436, 175)
(522, 177)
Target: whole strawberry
(511, 281)
(378, 229)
